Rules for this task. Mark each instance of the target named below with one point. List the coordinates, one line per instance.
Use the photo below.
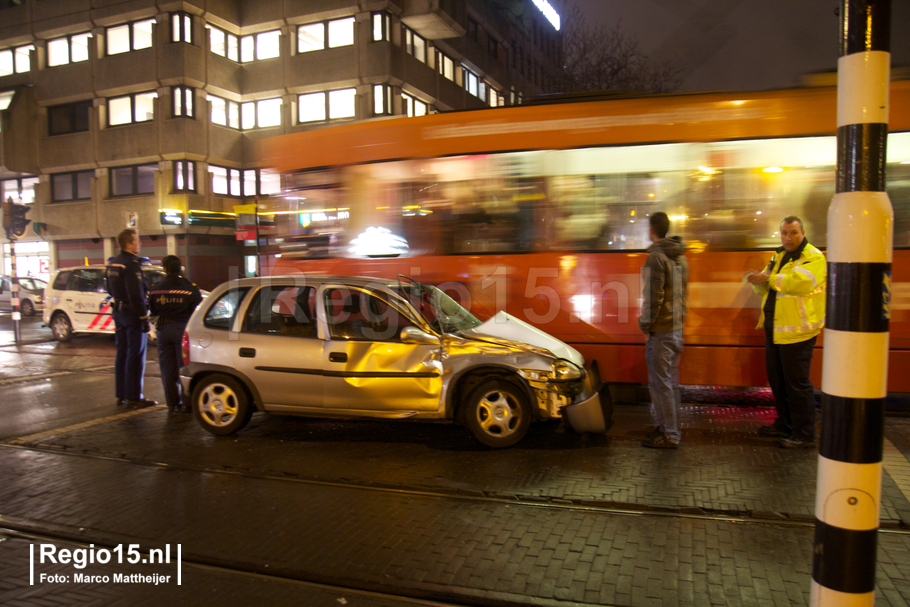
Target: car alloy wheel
(221, 405)
(27, 308)
(497, 413)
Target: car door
(85, 297)
(279, 347)
(5, 297)
(366, 365)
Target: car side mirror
(413, 335)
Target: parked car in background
(76, 301)
(335, 346)
(31, 294)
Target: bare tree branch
(600, 58)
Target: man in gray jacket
(665, 279)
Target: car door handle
(338, 357)
(247, 352)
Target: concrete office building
(146, 112)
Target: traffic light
(14, 220)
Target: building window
(133, 180)
(492, 47)
(415, 45)
(129, 37)
(381, 23)
(446, 66)
(69, 118)
(311, 107)
(342, 103)
(71, 186)
(225, 181)
(255, 182)
(255, 47)
(225, 112)
(15, 60)
(69, 49)
(20, 188)
(471, 81)
(330, 34)
(314, 107)
(261, 114)
(185, 175)
(129, 109)
(472, 29)
(382, 99)
(181, 27)
(223, 43)
(482, 90)
(413, 106)
(183, 97)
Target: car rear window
(220, 315)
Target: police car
(76, 301)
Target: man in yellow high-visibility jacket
(793, 314)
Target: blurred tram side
(543, 211)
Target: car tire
(61, 327)
(497, 413)
(27, 308)
(220, 404)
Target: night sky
(742, 44)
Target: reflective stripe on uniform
(807, 274)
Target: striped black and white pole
(855, 368)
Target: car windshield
(441, 311)
(32, 284)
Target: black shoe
(797, 442)
(121, 402)
(142, 402)
(660, 441)
(772, 431)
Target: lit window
(381, 27)
(223, 43)
(311, 37)
(482, 90)
(181, 28)
(69, 118)
(225, 181)
(311, 107)
(248, 179)
(342, 104)
(382, 99)
(21, 188)
(262, 113)
(137, 107)
(71, 186)
(183, 97)
(185, 175)
(470, 81)
(129, 37)
(446, 67)
(413, 106)
(415, 45)
(225, 112)
(70, 49)
(133, 180)
(268, 45)
(269, 183)
(341, 32)
(16, 60)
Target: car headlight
(563, 370)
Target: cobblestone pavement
(419, 510)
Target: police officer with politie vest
(172, 300)
(128, 288)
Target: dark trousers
(170, 359)
(788, 374)
(129, 367)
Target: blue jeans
(662, 353)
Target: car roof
(317, 280)
(103, 266)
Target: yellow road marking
(31, 438)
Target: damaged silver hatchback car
(334, 346)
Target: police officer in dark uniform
(172, 300)
(128, 288)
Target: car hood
(506, 327)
